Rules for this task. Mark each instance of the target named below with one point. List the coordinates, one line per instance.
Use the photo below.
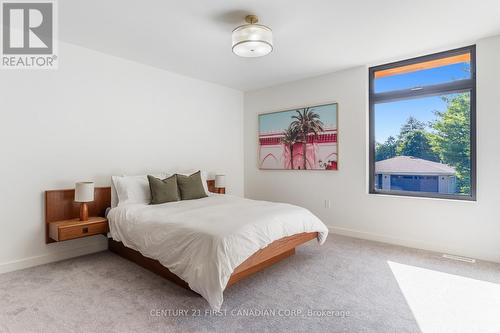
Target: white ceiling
(311, 37)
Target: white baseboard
(407, 243)
(377, 237)
(91, 247)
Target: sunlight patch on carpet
(443, 302)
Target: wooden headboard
(60, 205)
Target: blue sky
(279, 121)
(389, 117)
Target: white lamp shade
(252, 40)
(84, 192)
(220, 181)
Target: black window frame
(465, 85)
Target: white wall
(95, 116)
(464, 228)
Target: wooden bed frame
(273, 253)
(59, 204)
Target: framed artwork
(299, 139)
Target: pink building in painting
(321, 151)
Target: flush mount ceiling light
(252, 40)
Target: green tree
(416, 143)
(413, 140)
(411, 125)
(386, 150)
(306, 122)
(451, 137)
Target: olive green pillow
(163, 190)
(191, 187)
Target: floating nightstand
(63, 213)
(74, 228)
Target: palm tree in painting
(290, 138)
(306, 122)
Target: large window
(423, 126)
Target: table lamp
(84, 192)
(220, 183)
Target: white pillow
(114, 195)
(133, 189)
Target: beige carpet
(347, 285)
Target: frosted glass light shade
(252, 40)
(84, 192)
(220, 181)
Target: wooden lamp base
(84, 212)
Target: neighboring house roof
(408, 165)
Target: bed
(204, 245)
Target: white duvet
(204, 240)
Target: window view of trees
(422, 128)
(445, 140)
(451, 139)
